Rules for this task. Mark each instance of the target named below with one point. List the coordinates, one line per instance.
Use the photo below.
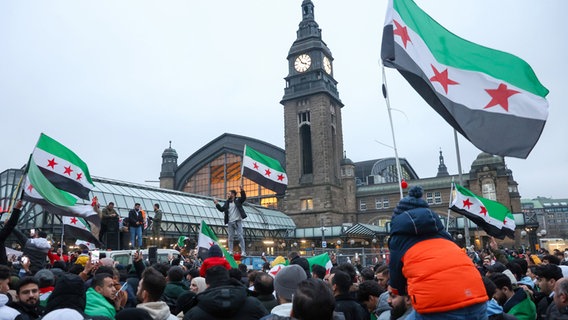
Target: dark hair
(105, 269)
(350, 270)
(368, 288)
(233, 191)
(501, 280)
(111, 203)
(157, 205)
(313, 300)
(551, 259)
(490, 287)
(99, 279)
(216, 276)
(59, 264)
(523, 264)
(342, 280)
(162, 268)
(515, 269)
(136, 204)
(263, 283)
(42, 234)
(383, 269)
(25, 281)
(319, 271)
(154, 283)
(368, 274)
(4, 272)
(236, 274)
(175, 273)
(194, 273)
(548, 271)
(243, 268)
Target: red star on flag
(51, 163)
(267, 172)
(442, 78)
(68, 170)
(467, 203)
(79, 176)
(211, 244)
(483, 211)
(402, 32)
(500, 96)
(74, 220)
(30, 188)
(255, 166)
(280, 177)
(276, 271)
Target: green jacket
(521, 306)
(174, 289)
(98, 305)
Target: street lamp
(323, 244)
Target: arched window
(488, 189)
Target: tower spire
(442, 169)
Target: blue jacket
(407, 229)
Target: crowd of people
(427, 277)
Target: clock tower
(313, 133)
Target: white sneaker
(243, 254)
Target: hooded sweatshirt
(226, 302)
(7, 313)
(158, 310)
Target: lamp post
(323, 244)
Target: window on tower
(488, 189)
(307, 204)
(304, 117)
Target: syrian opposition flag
(57, 179)
(509, 225)
(264, 170)
(488, 214)
(62, 167)
(77, 228)
(322, 260)
(207, 238)
(89, 245)
(77, 210)
(493, 98)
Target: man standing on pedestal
(135, 223)
(234, 213)
(109, 222)
(156, 223)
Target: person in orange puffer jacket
(440, 279)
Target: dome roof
(346, 161)
(170, 152)
(485, 158)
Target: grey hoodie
(158, 310)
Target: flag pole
(62, 234)
(465, 220)
(451, 200)
(386, 96)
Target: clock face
(302, 63)
(327, 65)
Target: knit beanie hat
(215, 251)
(412, 201)
(69, 292)
(287, 279)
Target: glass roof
(181, 207)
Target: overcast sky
(116, 80)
